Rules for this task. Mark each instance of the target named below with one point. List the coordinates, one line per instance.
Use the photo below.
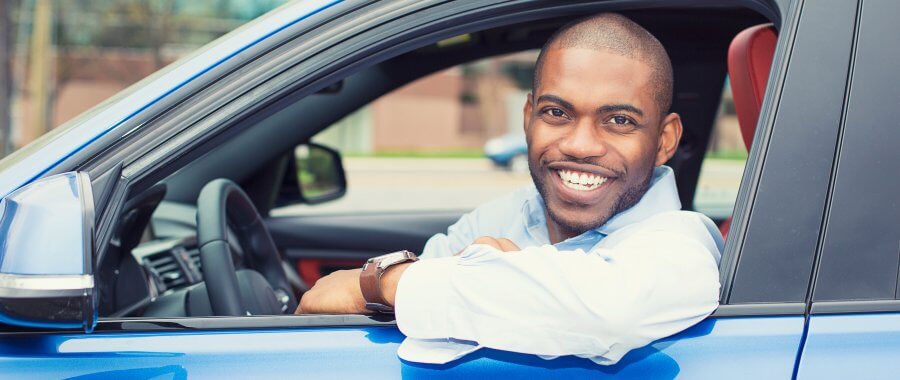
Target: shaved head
(617, 34)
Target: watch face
(386, 255)
(393, 258)
(380, 258)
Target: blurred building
(100, 47)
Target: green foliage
(421, 154)
(739, 155)
(317, 173)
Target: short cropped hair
(616, 33)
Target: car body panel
(58, 202)
(728, 347)
(851, 346)
(43, 154)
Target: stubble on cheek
(583, 218)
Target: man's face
(594, 133)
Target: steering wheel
(223, 204)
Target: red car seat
(749, 60)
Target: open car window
(419, 136)
(449, 141)
(453, 140)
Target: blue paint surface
(42, 228)
(714, 349)
(851, 346)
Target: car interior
(202, 241)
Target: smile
(581, 181)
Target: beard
(629, 197)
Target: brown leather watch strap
(370, 278)
(370, 284)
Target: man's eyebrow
(620, 107)
(555, 99)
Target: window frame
(171, 120)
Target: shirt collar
(661, 196)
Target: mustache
(589, 161)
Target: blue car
(508, 151)
(138, 241)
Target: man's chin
(574, 225)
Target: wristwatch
(370, 278)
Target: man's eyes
(554, 112)
(620, 120)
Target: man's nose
(583, 140)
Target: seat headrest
(749, 60)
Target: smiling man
(607, 263)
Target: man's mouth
(581, 181)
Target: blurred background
(60, 58)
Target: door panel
(319, 244)
(851, 346)
(731, 347)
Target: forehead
(591, 78)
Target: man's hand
(336, 293)
(501, 244)
(339, 292)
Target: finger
(487, 240)
(303, 307)
(507, 245)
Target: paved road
(417, 184)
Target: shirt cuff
(424, 298)
(435, 351)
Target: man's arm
(339, 292)
(548, 302)
(646, 285)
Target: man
(609, 262)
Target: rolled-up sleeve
(543, 301)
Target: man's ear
(526, 112)
(669, 136)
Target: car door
(320, 244)
(756, 333)
(854, 324)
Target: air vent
(194, 263)
(166, 269)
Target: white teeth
(580, 181)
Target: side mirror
(320, 173)
(46, 275)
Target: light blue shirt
(520, 217)
(647, 273)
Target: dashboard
(153, 261)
